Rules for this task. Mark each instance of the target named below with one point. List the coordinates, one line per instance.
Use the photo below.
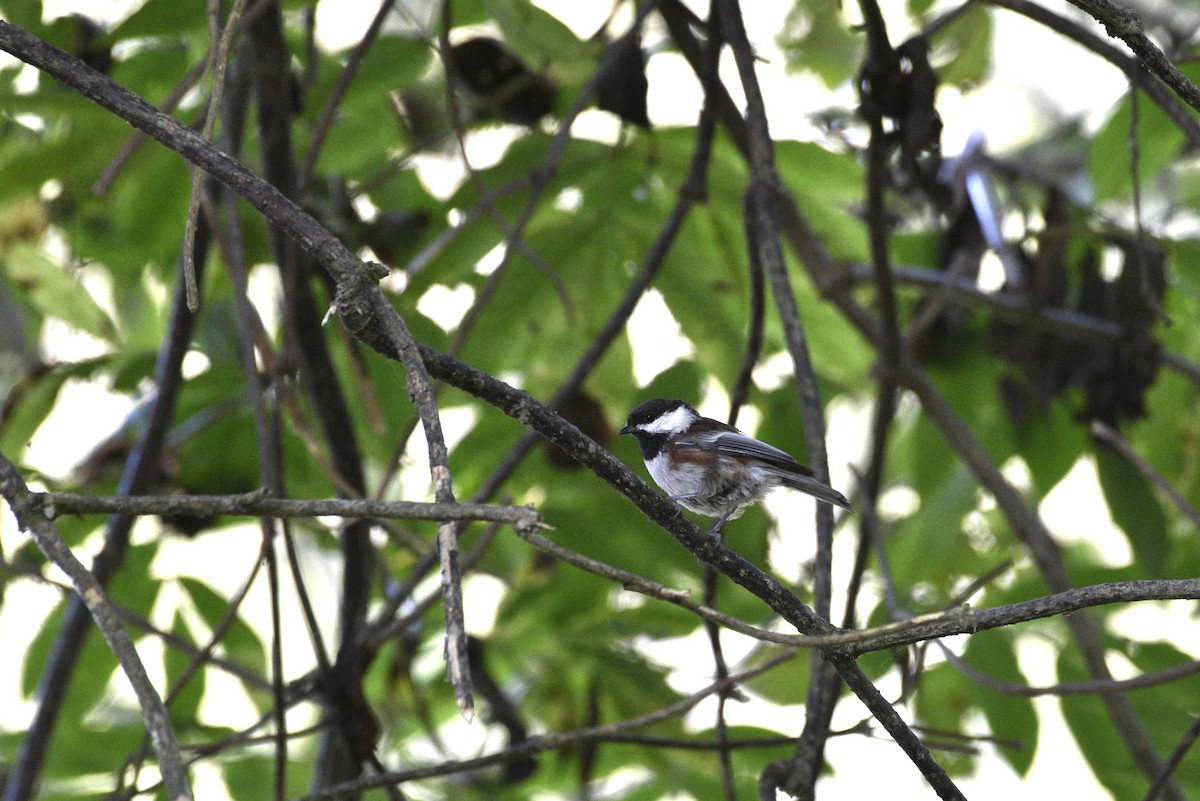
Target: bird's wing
(795, 475)
(735, 443)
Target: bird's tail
(818, 489)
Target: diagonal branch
(1123, 24)
(1112, 438)
(1154, 89)
(139, 473)
(46, 535)
(525, 409)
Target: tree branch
(1153, 88)
(1123, 24)
(965, 620)
(546, 742)
(1185, 744)
(1010, 307)
(855, 642)
(764, 225)
(1112, 438)
(140, 471)
(525, 409)
(828, 276)
(46, 535)
(1094, 686)
(257, 504)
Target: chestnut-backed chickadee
(712, 468)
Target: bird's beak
(626, 430)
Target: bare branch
(336, 94)
(546, 742)
(1123, 24)
(1185, 744)
(154, 713)
(218, 57)
(1154, 89)
(257, 504)
(763, 225)
(1165, 676)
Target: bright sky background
(1010, 108)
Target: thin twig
(178, 92)
(139, 622)
(542, 176)
(336, 94)
(1014, 308)
(514, 240)
(1089, 687)
(1173, 762)
(220, 42)
(1113, 439)
(199, 658)
(739, 395)
(545, 742)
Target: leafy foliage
(544, 245)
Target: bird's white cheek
(672, 422)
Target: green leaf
(162, 18)
(186, 698)
(1166, 438)
(240, 643)
(942, 702)
(1050, 442)
(1134, 508)
(25, 14)
(87, 686)
(1099, 742)
(540, 38)
(828, 187)
(1009, 717)
(963, 49)
(1158, 142)
(366, 126)
(1168, 709)
(816, 37)
(932, 546)
(253, 778)
(29, 407)
(55, 293)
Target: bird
(712, 468)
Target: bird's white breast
(685, 479)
